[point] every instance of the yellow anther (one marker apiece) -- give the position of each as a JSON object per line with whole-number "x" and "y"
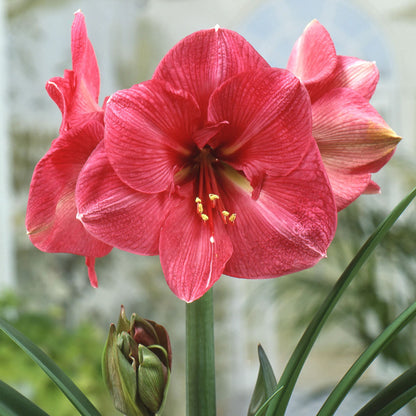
{"x": 213, "y": 197}
{"x": 232, "y": 217}
{"x": 225, "y": 213}
{"x": 204, "y": 217}
{"x": 198, "y": 200}
{"x": 199, "y": 208}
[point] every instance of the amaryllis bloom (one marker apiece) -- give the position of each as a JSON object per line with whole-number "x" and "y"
{"x": 213, "y": 166}
{"x": 352, "y": 137}
{"x": 51, "y": 212}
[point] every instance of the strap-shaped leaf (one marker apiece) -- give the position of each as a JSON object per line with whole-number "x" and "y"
{"x": 357, "y": 369}
{"x": 12, "y": 403}
{"x": 265, "y": 385}
{"x": 263, "y": 407}
{"x": 393, "y": 397}
{"x": 71, "y": 391}
{"x": 304, "y": 346}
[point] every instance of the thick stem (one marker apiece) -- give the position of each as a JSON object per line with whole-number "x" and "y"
{"x": 200, "y": 361}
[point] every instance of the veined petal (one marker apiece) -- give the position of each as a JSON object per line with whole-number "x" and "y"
{"x": 61, "y": 91}
{"x": 205, "y": 59}
{"x": 192, "y": 259}
{"x": 84, "y": 62}
{"x": 51, "y": 212}
{"x": 76, "y": 94}
{"x": 116, "y": 213}
{"x": 149, "y": 131}
{"x": 347, "y": 187}
{"x": 269, "y": 116}
{"x": 356, "y": 74}
{"x": 313, "y": 58}
{"x": 351, "y": 135}
{"x": 288, "y": 228}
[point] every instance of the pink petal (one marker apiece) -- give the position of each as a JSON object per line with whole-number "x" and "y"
{"x": 61, "y": 91}
{"x": 313, "y": 58}
{"x": 288, "y": 228}
{"x": 351, "y": 135}
{"x": 76, "y": 94}
{"x": 347, "y": 187}
{"x": 51, "y": 213}
{"x": 149, "y": 133}
{"x": 360, "y": 76}
{"x": 84, "y": 62}
{"x": 191, "y": 259}
{"x": 372, "y": 188}
{"x": 116, "y": 213}
{"x": 205, "y": 59}
{"x": 92, "y": 275}
{"x": 269, "y": 116}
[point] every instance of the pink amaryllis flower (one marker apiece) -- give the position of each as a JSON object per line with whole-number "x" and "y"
{"x": 211, "y": 165}
{"x": 51, "y": 212}
{"x": 352, "y": 137}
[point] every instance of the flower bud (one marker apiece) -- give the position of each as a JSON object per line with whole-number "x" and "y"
{"x": 136, "y": 365}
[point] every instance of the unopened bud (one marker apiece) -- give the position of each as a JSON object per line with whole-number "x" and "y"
{"x": 136, "y": 365}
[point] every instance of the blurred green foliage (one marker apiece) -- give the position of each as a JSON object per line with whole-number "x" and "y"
{"x": 76, "y": 350}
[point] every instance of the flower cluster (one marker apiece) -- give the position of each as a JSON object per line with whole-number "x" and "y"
{"x": 219, "y": 163}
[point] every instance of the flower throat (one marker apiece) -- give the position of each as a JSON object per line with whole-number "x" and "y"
{"x": 208, "y": 198}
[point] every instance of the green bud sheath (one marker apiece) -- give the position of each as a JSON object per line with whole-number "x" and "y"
{"x": 151, "y": 379}
{"x": 120, "y": 378}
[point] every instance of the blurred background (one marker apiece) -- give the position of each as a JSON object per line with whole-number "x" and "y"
{"x": 48, "y": 296}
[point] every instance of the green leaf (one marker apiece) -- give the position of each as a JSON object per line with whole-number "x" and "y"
{"x": 344, "y": 386}
{"x": 266, "y": 403}
{"x": 71, "y": 391}
{"x": 397, "y": 394}
{"x": 398, "y": 403}
{"x": 12, "y": 403}
{"x": 304, "y": 346}
{"x": 265, "y": 385}
{"x": 200, "y": 360}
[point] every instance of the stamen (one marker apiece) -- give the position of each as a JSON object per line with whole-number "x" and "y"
{"x": 207, "y": 188}
{"x": 214, "y": 198}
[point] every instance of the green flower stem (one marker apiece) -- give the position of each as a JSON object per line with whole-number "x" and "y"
{"x": 200, "y": 362}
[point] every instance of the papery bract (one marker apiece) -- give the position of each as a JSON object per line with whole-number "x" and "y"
{"x": 51, "y": 220}
{"x": 211, "y": 165}
{"x": 352, "y": 137}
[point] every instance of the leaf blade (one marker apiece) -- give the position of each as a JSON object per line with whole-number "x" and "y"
{"x": 304, "y": 346}
{"x": 64, "y": 383}
{"x": 361, "y": 364}
{"x": 398, "y": 393}
{"x": 265, "y": 385}
{"x": 13, "y": 403}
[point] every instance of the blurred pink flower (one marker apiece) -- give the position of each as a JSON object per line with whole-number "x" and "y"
{"x": 51, "y": 212}
{"x": 352, "y": 137}
{"x": 211, "y": 165}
